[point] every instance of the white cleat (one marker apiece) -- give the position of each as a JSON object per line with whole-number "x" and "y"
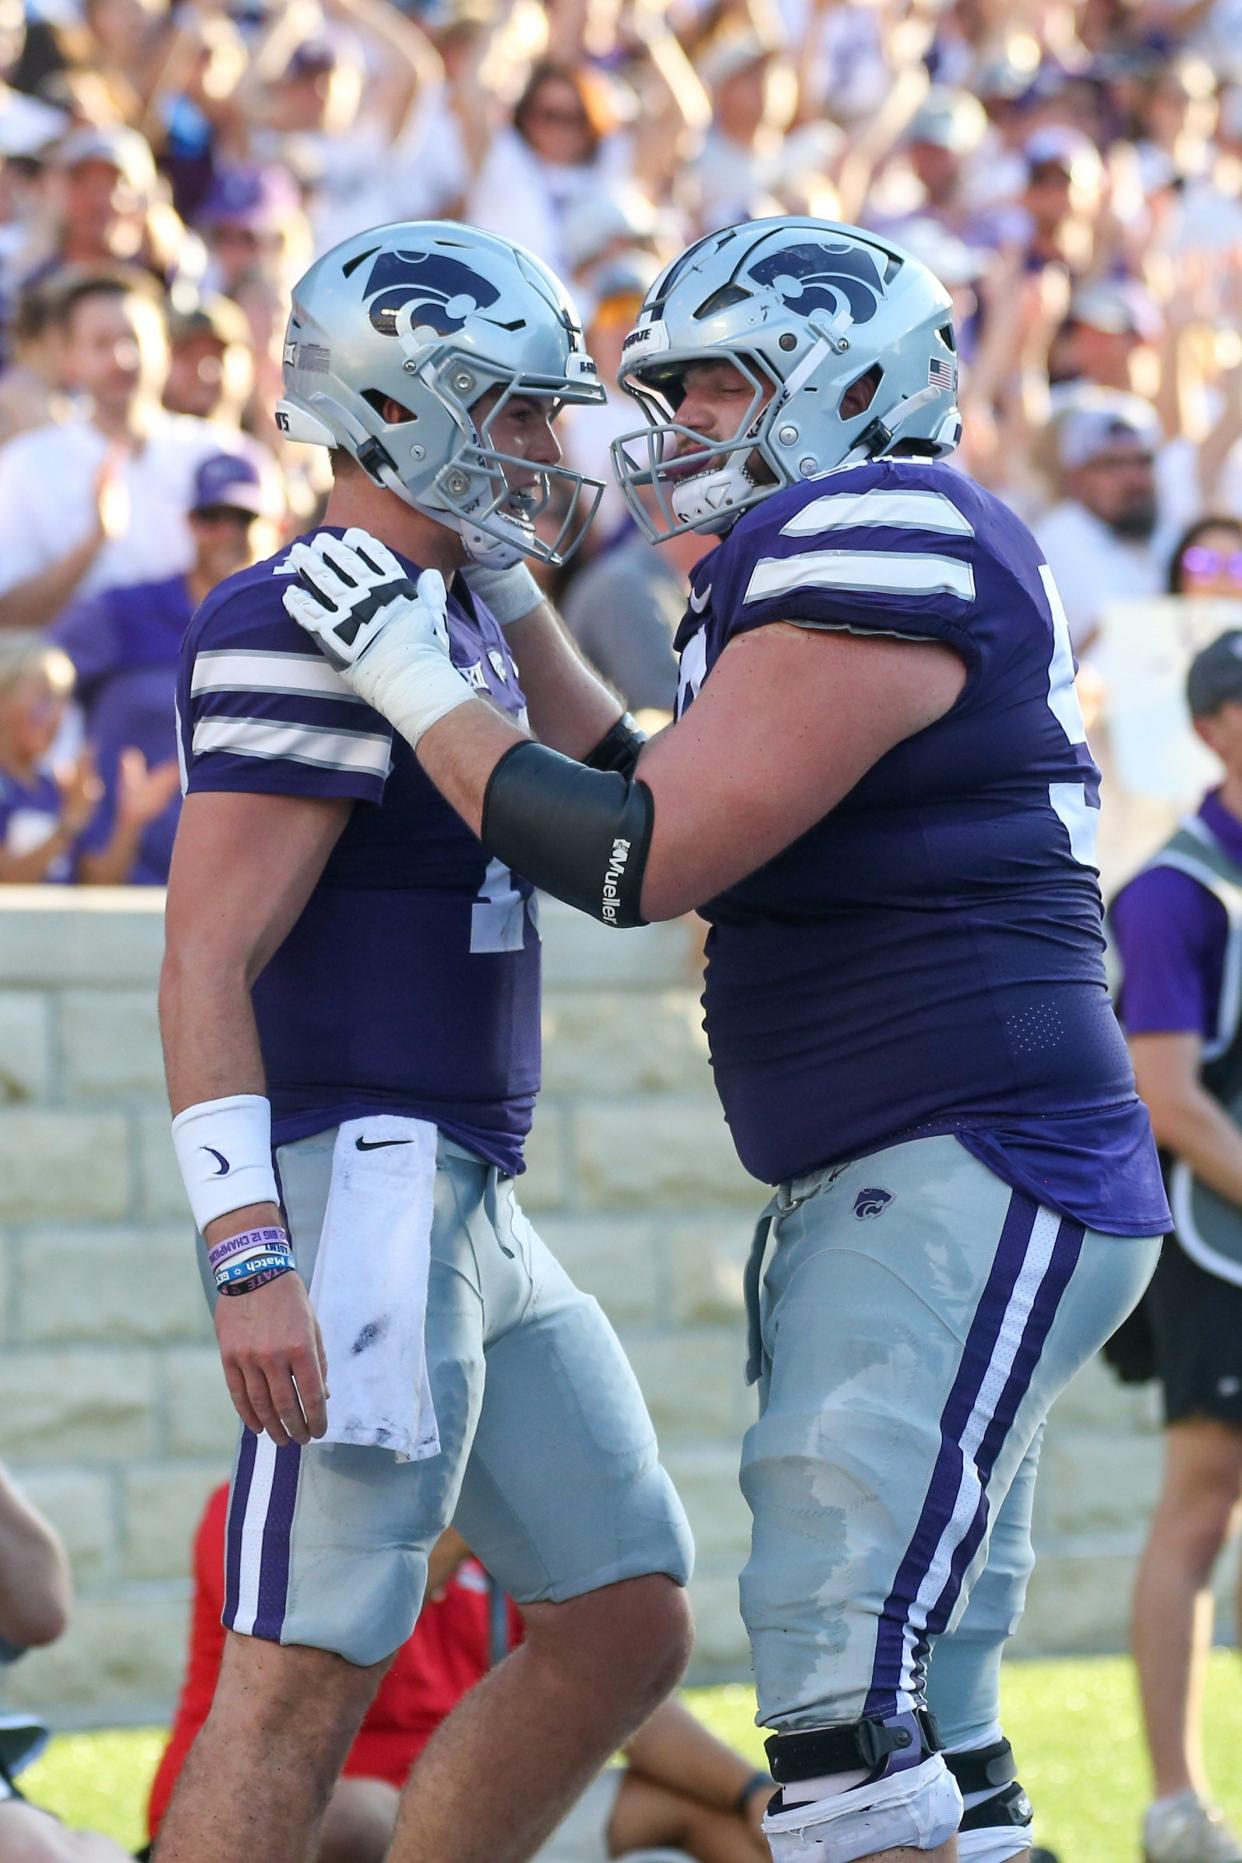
{"x": 1187, "y": 1831}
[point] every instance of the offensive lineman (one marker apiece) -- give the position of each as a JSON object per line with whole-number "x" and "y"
{"x": 351, "y": 981}
{"x": 879, "y": 794}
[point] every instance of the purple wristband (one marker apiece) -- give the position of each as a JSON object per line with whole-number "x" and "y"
{"x": 252, "y": 1241}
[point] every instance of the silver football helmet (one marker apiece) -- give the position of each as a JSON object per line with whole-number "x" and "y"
{"x": 805, "y": 310}
{"x": 433, "y": 316}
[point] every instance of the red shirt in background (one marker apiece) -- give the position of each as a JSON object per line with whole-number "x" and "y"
{"x": 448, "y": 1653}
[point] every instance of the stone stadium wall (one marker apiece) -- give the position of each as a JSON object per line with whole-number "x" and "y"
{"x": 113, "y": 1412}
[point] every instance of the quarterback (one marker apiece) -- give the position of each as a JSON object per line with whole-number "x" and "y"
{"x": 879, "y": 794}
{"x": 350, "y": 1008}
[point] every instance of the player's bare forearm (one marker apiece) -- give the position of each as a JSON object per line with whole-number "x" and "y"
{"x": 674, "y": 1748}
{"x": 570, "y": 707}
{"x": 1185, "y": 1118}
{"x": 211, "y": 1044}
{"x": 35, "y": 1586}
{"x": 40, "y": 598}
{"x": 460, "y": 752}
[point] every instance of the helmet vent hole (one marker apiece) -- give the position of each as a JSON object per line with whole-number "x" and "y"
{"x": 945, "y": 333}
{"x": 383, "y": 405}
{"x": 860, "y": 393}
{"x": 359, "y": 258}
{"x": 722, "y": 300}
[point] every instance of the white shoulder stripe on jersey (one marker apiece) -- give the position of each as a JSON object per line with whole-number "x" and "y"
{"x": 912, "y": 510}
{"x": 255, "y": 669}
{"x": 865, "y": 572}
{"x": 363, "y": 752}
{"x": 255, "y": 1519}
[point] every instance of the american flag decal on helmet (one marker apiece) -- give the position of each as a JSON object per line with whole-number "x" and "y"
{"x": 942, "y": 374}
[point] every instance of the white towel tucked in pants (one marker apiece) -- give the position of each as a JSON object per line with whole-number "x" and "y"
{"x": 369, "y": 1288}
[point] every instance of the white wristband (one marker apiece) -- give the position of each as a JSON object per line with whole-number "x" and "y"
{"x": 507, "y": 594}
{"x": 409, "y": 682}
{"x": 224, "y": 1149}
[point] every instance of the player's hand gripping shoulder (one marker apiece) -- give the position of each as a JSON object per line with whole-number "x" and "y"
{"x": 386, "y": 634}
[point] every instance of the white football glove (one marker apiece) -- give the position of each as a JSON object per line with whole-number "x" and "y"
{"x": 386, "y": 635}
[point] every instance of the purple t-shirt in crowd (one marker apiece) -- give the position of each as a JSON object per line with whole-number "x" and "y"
{"x": 410, "y": 983}
{"x": 125, "y": 644}
{"x": 1171, "y": 933}
{"x": 929, "y": 956}
{"x": 29, "y": 812}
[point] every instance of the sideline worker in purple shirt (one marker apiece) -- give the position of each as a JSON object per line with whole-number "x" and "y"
{"x": 1176, "y": 926}
{"x": 124, "y": 642}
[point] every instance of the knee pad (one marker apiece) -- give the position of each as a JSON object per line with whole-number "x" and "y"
{"x": 918, "y": 1808}
{"x": 992, "y": 1846}
{"x": 997, "y": 1822}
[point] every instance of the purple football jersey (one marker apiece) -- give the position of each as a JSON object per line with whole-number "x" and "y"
{"x": 929, "y": 957}
{"x": 410, "y": 984}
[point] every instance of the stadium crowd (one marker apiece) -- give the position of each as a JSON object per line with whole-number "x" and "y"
{"x": 1071, "y": 170}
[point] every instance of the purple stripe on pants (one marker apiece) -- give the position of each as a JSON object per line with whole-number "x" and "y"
{"x": 269, "y": 1617}
{"x": 942, "y": 1492}
{"x": 1044, "y": 1308}
{"x": 237, "y": 1517}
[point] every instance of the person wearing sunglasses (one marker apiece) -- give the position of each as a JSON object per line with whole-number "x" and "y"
{"x": 1207, "y": 559}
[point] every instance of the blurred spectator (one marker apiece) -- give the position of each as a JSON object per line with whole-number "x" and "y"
{"x": 563, "y": 147}
{"x": 754, "y": 99}
{"x": 946, "y": 132}
{"x": 51, "y": 825}
{"x": 336, "y": 103}
{"x": 1207, "y": 559}
{"x": 567, "y": 141}
{"x": 100, "y": 501}
{"x": 609, "y": 234}
{"x": 1109, "y": 337}
{"x": 124, "y": 645}
{"x": 211, "y": 370}
{"x": 1173, "y": 927}
{"x": 1098, "y": 539}
{"x": 35, "y": 1599}
{"x": 623, "y": 608}
{"x": 32, "y": 387}
{"x": 587, "y": 433}
{"x": 1061, "y": 200}
{"x": 252, "y": 220}
{"x": 680, "y": 1785}
{"x": 107, "y": 208}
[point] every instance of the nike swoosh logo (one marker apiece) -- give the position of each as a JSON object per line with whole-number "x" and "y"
{"x": 224, "y": 1163}
{"x": 361, "y": 1144}
{"x": 699, "y": 602}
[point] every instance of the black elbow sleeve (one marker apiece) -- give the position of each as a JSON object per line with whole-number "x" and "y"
{"x": 581, "y": 835}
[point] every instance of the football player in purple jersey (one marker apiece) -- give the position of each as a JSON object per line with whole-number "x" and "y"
{"x": 879, "y": 794}
{"x": 350, "y": 1009}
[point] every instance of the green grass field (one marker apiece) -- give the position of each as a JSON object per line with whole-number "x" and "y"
{"x": 1073, "y": 1724}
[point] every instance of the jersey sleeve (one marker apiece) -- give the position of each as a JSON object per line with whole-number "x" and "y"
{"x": 1170, "y": 934}
{"x": 261, "y": 710}
{"x": 881, "y": 557}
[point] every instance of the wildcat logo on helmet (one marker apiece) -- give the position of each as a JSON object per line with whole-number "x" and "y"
{"x": 831, "y": 277}
{"x": 442, "y": 292}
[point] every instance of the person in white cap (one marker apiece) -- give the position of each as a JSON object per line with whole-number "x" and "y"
{"x": 1098, "y": 539}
